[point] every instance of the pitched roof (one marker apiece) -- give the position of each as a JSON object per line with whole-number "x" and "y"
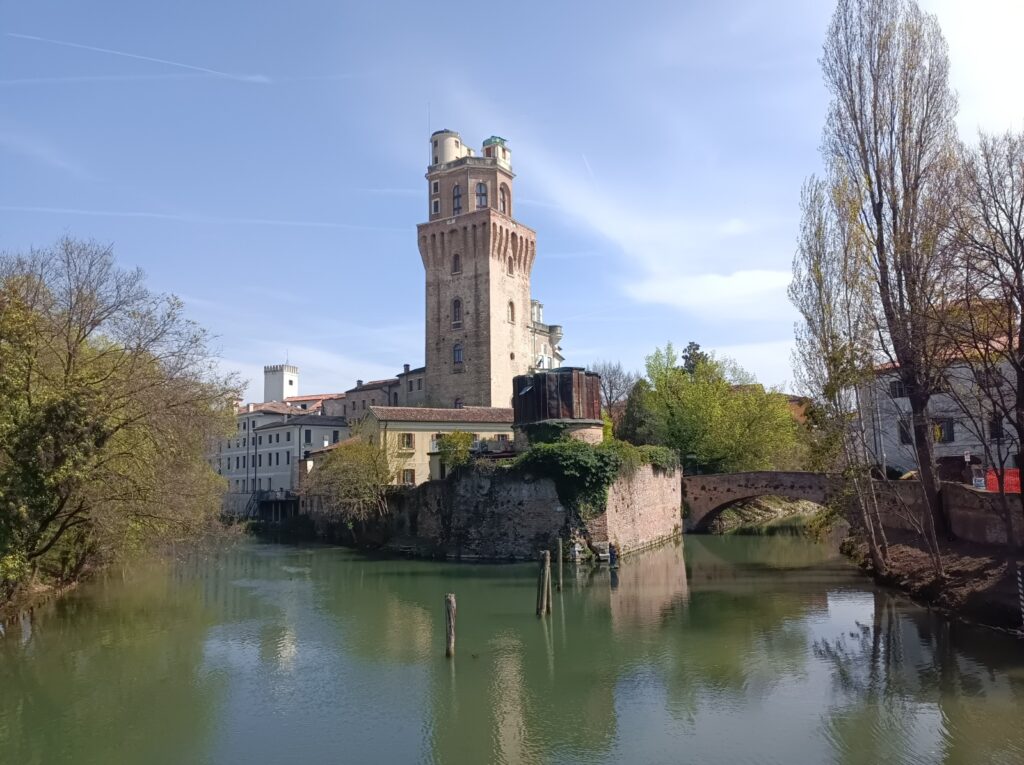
{"x": 316, "y": 397}
{"x": 265, "y": 407}
{"x": 479, "y": 414}
{"x": 374, "y": 384}
{"x": 308, "y": 419}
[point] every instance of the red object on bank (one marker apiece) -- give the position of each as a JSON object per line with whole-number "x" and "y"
{"x": 1011, "y": 480}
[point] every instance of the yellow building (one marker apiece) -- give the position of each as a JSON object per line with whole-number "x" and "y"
{"x": 411, "y": 433}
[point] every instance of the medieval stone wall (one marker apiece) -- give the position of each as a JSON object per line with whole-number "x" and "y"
{"x": 507, "y": 516}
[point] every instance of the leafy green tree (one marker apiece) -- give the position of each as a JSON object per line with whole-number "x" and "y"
{"x": 351, "y": 483}
{"x": 454, "y": 449}
{"x": 109, "y": 401}
{"x": 716, "y": 414}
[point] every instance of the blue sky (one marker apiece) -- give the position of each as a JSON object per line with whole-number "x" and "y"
{"x": 265, "y": 161}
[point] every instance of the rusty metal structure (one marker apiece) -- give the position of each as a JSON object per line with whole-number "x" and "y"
{"x": 566, "y": 393}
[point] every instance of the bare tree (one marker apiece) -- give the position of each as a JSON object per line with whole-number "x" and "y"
{"x": 616, "y": 383}
{"x": 982, "y": 318}
{"x": 890, "y": 131}
{"x": 832, "y": 359}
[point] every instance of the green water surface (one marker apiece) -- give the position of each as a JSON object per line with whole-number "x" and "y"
{"x": 719, "y": 650}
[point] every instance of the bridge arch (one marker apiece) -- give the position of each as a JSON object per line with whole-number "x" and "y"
{"x": 707, "y": 495}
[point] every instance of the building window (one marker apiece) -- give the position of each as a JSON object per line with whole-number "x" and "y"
{"x": 287, "y": 458}
{"x": 308, "y": 436}
{"x": 435, "y": 187}
{"x": 944, "y": 431}
{"x": 456, "y": 263}
{"x": 334, "y": 436}
{"x": 481, "y": 195}
{"x": 277, "y": 458}
{"x": 408, "y": 440}
{"x": 410, "y": 386}
{"x": 906, "y": 437}
{"x": 419, "y": 383}
{"x": 394, "y": 399}
{"x": 995, "y": 428}
{"x": 458, "y": 403}
{"x": 503, "y": 438}
{"x": 244, "y": 461}
{"x": 260, "y": 440}
{"x": 456, "y": 313}
{"x": 457, "y": 199}
{"x": 435, "y": 206}
{"x": 457, "y": 353}
{"x": 288, "y": 436}
{"x": 503, "y": 200}
{"x": 409, "y": 477}
{"x": 259, "y": 462}
{"x": 897, "y": 389}
{"x": 511, "y": 312}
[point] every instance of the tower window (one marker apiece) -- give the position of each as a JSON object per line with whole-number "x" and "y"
{"x": 435, "y": 206}
{"x": 481, "y": 195}
{"x": 503, "y": 200}
{"x": 435, "y": 187}
{"x": 456, "y": 263}
{"x": 457, "y": 353}
{"x": 456, "y": 313}
{"x": 456, "y": 199}
{"x": 511, "y": 311}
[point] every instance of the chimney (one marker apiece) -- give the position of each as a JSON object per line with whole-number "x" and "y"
{"x": 359, "y": 383}
{"x": 406, "y": 368}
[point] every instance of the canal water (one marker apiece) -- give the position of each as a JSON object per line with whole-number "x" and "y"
{"x": 716, "y": 650}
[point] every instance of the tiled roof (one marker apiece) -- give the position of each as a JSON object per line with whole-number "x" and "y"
{"x": 482, "y": 414}
{"x": 316, "y": 397}
{"x": 308, "y": 419}
{"x": 373, "y": 385}
{"x": 266, "y": 407}
{"x": 416, "y": 371}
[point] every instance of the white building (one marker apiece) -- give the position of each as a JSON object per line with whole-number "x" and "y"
{"x": 959, "y": 436}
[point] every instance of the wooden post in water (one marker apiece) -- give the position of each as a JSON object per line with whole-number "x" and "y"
{"x": 544, "y": 584}
{"x": 449, "y": 624}
{"x": 559, "y": 565}
{"x": 547, "y": 581}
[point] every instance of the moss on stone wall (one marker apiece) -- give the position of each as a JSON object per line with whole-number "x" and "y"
{"x": 583, "y": 472}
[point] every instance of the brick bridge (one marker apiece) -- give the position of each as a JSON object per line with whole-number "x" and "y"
{"x": 708, "y": 495}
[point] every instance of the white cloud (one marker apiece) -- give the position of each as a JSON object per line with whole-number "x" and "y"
{"x": 741, "y": 295}
{"x": 37, "y": 149}
{"x": 984, "y": 39}
{"x": 770, "y": 362}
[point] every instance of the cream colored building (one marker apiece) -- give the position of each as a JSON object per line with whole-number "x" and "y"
{"x": 482, "y": 328}
{"x": 411, "y": 434}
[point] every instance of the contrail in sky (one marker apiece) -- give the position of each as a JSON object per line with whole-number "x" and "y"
{"x": 191, "y": 218}
{"x": 240, "y": 77}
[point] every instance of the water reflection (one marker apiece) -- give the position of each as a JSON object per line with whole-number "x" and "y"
{"x": 719, "y": 650}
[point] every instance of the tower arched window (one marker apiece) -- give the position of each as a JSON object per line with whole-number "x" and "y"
{"x": 456, "y": 313}
{"x": 456, "y": 263}
{"x": 481, "y": 195}
{"x": 503, "y": 200}
{"x": 456, "y": 200}
{"x": 511, "y": 311}
{"x": 457, "y": 353}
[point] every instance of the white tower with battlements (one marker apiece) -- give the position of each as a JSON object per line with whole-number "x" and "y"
{"x": 280, "y": 381}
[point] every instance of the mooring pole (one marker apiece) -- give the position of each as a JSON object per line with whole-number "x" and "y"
{"x": 544, "y": 584}
{"x": 1020, "y": 592}
{"x": 449, "y": 624}
{"x": 559, "y": 565}
{"x": 547, "y": 581}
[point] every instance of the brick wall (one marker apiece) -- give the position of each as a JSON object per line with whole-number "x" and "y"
{"x": 511, "y": 517}
{"x": 643, "y": 510}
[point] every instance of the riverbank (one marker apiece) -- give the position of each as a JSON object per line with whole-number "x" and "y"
{"x": 978, "y": 587}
